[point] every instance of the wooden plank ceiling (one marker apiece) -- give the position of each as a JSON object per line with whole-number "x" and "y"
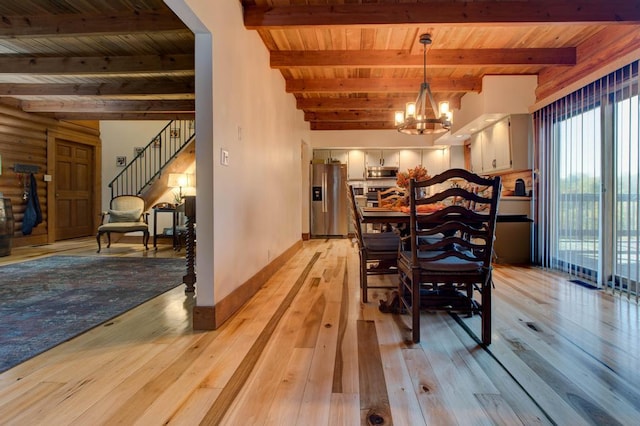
{"x": 96, "y": 59}
{"x": 351, "y": 63}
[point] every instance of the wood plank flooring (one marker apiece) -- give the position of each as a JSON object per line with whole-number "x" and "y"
{"x": 305, "y": 351}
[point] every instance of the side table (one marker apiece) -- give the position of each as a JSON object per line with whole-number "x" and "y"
{"x": 174, "y": 213}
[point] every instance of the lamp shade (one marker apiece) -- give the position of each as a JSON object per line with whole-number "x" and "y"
{"x": 177, "y": 180}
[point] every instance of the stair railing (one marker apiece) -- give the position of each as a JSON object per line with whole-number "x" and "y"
{"x": 149, "y": 162}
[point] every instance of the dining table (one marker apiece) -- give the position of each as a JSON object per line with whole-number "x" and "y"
{"x": 387, "y": 215}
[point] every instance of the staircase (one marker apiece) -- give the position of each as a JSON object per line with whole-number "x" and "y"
{"x": 149, "y": 165}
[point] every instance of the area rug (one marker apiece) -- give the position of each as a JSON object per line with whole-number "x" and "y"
{"x": 47, "y": 301}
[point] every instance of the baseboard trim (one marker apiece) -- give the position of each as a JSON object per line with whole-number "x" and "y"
{"x": 204, "y": 317}
{"x": 212, "y": 317}
{"x": 30, "y": 240}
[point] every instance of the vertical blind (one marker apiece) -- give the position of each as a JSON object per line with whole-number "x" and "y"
{"x": 589, "y": 182}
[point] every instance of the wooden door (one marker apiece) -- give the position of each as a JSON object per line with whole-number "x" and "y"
{"x": 73, "y": 183}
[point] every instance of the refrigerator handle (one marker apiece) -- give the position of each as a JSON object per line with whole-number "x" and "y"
{"x": 324, "y": 192}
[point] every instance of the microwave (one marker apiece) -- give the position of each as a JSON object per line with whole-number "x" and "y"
{"x": 382, "y": 172}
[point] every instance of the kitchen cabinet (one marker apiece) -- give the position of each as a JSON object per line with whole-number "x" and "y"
{"x": 383, "y": 158}
{"x": 356, "y": 165}
{"x": 410, "y": 158}
{"x": 513, "y": 239}
{"x": 476, "y": 152}
{"x": 521, "y": 135}
{"x": 340, "y": 156}
{"x": 321, "y": 155}
{"x": 331, "y": 155}
{"x": 496, "y": 147}
{"x": 436, "y": 160}
{"x": 502, "y": 146}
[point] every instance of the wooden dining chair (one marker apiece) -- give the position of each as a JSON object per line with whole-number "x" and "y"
{"x": 446, "y": 261}
{"x": 390, "y": 196}
{"x": 378, "y": 250}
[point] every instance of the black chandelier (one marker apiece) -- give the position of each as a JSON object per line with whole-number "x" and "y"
{"x": 424, "y": 116}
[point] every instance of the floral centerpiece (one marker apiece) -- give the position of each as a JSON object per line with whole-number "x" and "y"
{"x": 400, "y": 200}
{"x": 417, "y": 173}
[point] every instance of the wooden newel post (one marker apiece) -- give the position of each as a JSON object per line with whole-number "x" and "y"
{"x": 190, "y": 213}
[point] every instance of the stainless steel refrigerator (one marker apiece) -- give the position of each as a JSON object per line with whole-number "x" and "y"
{"x": 329, "y": 208}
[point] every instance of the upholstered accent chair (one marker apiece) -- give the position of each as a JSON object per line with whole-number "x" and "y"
{"x": 126, "y": 214}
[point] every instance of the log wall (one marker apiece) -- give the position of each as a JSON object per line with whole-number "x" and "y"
{"x": 27, "y": 139}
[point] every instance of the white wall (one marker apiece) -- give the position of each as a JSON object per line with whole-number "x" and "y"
{"x": 119, "y": 139}
{"x": 501, "y": 95}
{"x": 371, "y": 139}
{"x": 249, "y": 210}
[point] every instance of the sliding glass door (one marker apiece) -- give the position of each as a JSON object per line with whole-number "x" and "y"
{"x": 589, "y": 186}
{"x": 626, "y": 270}
{"x": 578, "y": 217}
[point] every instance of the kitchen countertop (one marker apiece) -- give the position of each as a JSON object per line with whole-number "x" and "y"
{"x": 514, "y": 198}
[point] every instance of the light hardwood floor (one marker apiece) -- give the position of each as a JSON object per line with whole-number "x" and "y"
{"x": 305, "y": 351}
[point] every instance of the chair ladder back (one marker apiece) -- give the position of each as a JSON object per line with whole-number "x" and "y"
{"x": 354, "y": 214}
{"x": 452, "y": 228}
{"x": 467, "y": 233}
{"x": 390, "y": 196}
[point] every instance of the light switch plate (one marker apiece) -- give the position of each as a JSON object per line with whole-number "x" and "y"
{"x": 224, "y": 157}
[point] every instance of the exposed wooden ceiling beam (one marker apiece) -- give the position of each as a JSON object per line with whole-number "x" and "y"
{"x": 382, "y": 85}
{"x": 140, "y": 21}
{"x": 360, "y": 115}
{"x": 352, "y": 125}
{"x": 89, "y": 115}
{"x": 389, "y": 104}
{"x": 109, "y": 106}
{"x": 443, "y": 13}
{"x": 98, "y": 65}
{"x": 145, "y": 87}
{"x": 436, "y": 58}
{"x": 332, "y": 104}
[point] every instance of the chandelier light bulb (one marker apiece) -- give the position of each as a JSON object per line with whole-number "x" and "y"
{"x": 444, "y": 108}
{"x": 410, "y": 110}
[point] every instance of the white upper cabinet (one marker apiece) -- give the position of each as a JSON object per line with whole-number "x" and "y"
{"x": 521, "y": 133}
{"x": 321, "y": 155}
{"x": 390, "y": 158}
{"x": 410, "y": 158}
{"x": 476, "y": 152}
{"x": 373, "y": 158}
{"x": 496, "y": 147}
{"x": 383, "y": 158}
{"x": 356, "y": 165}
{"x": 339, "y": 156}
{"x": 436, "y": 161}
{"x": 503, "y": 146}
{"x": 331, "y": 155}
